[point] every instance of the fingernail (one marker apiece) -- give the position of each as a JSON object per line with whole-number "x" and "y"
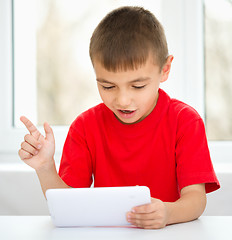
{"x": 133, "y": 210}
{"x": 36, "y": 152}
{"x": 39, "y": 146}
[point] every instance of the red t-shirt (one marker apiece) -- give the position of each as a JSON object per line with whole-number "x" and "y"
{"x": 166, "y": 151}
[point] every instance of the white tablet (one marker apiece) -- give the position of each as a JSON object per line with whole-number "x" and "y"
{"x": 107, "y": 206}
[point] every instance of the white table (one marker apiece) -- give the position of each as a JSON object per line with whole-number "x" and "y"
{"x": 42, "y": 228}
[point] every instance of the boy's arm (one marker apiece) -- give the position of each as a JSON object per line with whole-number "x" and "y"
{"x": 38, "y": 151}
{"x": 49, "y": 179}
{"x": 158, "y": 214}
{"x": 190, "y": 206}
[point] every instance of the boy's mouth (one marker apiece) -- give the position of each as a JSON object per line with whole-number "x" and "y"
{"x": 126, "y": 113}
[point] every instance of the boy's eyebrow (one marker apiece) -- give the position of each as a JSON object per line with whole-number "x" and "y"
{"x": 142, "y": 79}
{"x": 132, "y": 81}
{"x": 103, "y": 80}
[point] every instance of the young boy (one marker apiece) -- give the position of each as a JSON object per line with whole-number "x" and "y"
{"x": 138, "y": 135}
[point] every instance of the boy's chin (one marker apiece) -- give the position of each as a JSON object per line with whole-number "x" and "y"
{"x": 127, "y": 121}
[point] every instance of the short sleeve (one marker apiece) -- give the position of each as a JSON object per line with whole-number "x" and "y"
{"x": 193, "y": 162}
{"x": 75, "y": 167}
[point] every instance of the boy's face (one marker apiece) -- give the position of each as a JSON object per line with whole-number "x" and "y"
{"x": 132, "y": 94}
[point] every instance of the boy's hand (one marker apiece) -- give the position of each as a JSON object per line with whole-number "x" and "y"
{"x": 158, "y": 214}
{"x": 149, "y": 216}
{"x": 37, "y": 151}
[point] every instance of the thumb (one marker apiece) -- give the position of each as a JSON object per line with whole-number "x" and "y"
{"x": 48, "y": 132}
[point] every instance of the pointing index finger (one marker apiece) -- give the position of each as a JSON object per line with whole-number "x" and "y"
{"x": 30, "y": 127}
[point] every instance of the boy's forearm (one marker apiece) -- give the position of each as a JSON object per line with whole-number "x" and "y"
{"x": 49, "y": 178}
{"x": 189, "y": 207}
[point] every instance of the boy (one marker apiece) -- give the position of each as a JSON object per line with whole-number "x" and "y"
{"x": 138, "y": 135}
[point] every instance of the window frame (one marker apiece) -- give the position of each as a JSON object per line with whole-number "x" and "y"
{"x": 183, "y": 25}
{"x": 11, "y": 137}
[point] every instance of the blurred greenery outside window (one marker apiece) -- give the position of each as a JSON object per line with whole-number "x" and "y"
{"x": 218, "y": 69}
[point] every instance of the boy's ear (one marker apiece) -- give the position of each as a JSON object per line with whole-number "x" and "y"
{"x": 166, "y": 68}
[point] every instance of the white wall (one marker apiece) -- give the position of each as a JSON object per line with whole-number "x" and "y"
{"x": 220, "y": 201}
{"x": 20, "y": 193}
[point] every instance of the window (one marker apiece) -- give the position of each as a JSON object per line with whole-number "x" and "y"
{"x": 218, "y": 68}
{"x": 46, "y": 73}
{"x": 56, "y": 81}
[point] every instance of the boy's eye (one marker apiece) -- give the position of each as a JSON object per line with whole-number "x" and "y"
{"x": 139, "y": 87}
{"x": 107, "y": 88}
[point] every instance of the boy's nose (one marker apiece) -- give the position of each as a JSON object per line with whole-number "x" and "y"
{"x": 123, "y": 101}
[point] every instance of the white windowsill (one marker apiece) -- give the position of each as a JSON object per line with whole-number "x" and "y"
{"x": 17, "y": 167}
{"x": 225, "y": 168}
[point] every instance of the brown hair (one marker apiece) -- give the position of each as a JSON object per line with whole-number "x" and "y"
{"x": 125, "y": 37}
